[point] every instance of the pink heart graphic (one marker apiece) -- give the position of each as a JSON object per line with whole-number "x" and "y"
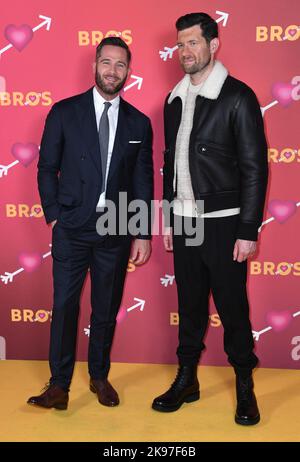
{"x": 18, "y": 36}
{"x": 292, "y": 32}
{"x": 287, "y": 155}
{"x": 282, "y": 210}
{"x": 37, "y": 210}
{"x": 121, "y": 315}
{"x": 25, "y": 153}
{"x": 41, "y": 315}
{"x": 283, "y": 93}
{"x": 32, "y": 97}
{"x": 30, "y": 261}
{"x": 2, "y": 84}
{"x": 283, "y": 268}
{"x": 279, "y": 320}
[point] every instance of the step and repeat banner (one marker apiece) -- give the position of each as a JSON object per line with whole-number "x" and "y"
{"x": 46, "y": 53}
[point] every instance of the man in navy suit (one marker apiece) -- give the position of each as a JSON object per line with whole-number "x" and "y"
{"x": 95, "y": 146}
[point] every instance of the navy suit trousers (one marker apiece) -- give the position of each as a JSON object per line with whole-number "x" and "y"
{"x": 74, "y": 252}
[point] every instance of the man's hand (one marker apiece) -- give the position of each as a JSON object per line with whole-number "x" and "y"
{"x": 168, "y": 239}
{"x": 53, "y": 223}
{"x": 243, "y": 249}
{"x": 140, "y": 251}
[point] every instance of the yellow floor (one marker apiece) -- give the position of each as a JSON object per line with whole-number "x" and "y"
{"x": 210, "y": 419}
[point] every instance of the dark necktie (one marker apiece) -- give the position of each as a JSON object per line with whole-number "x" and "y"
{"x": 104, "y": 140}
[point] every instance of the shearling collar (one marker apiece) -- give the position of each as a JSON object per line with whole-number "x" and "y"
{"x": 211, "y": 87}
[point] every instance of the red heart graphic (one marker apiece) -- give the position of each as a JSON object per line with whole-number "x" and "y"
{"x": 282, "y": 210}
{"x": 25, "y": 153}
{"x": 282, "y": 92}
{"x": 18, "y": 36}
{"x": 279, "y": 320}
{"x": 30, "y": 261}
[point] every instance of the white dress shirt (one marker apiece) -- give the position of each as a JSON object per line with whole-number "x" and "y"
{"x": 112, "y": 113}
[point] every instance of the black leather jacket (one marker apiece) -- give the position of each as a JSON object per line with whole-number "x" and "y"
{"x": 227, "y": 153}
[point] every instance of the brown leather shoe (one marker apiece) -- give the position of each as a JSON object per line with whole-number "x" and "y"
{"x": 53, "y": 396}
{"x": 107, "y": 395}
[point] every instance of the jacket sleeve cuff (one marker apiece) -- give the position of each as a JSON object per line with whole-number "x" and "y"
{"x": 51, "y": 213}
{"x": 247, "y": 231}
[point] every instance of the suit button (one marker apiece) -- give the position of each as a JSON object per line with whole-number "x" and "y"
{"x": 82, "y": 157}
{"x": 203, "y": 149}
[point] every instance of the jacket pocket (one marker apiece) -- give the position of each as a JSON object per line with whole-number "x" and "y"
{"x": 67, "y": 199}
{"x": 215, "y": 169}
{"x": 215, "y": 150}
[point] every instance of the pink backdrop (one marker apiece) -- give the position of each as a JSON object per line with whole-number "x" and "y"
{"x": 44, "y": 60}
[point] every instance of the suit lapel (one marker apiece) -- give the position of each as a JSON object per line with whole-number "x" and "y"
{"x": 88, "y": 124}
{"x": 121, "y": 138}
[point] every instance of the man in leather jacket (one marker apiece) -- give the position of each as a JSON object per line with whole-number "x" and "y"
{"x": 216, "y": 152}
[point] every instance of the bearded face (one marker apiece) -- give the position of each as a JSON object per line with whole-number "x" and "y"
{"x": 111, "y": 70}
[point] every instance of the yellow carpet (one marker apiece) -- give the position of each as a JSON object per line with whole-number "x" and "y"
{"x": 210, "y": 419}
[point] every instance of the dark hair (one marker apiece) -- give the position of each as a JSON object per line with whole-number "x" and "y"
{"x": 116, "y": 42}
{"x": 208, "y": 25}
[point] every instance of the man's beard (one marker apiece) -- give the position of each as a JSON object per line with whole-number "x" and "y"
{"x": 109, "y": 89}
{"x": 196, "y": 67}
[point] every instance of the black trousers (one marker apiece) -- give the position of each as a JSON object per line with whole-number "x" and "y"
{"x": 210, "y": 267}
{"x": 74, "y": 251}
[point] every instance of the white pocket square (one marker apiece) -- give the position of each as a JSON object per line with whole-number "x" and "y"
{"x": 134, "y": 141}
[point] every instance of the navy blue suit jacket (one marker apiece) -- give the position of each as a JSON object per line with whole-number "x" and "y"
{"x": 69, "y": 167}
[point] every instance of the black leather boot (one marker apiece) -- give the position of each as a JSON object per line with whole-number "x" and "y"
{"x": 247, "y": 412}
{"x": 184, "y": 389}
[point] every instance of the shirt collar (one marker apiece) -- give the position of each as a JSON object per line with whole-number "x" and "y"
{"x": 99, "y": 100}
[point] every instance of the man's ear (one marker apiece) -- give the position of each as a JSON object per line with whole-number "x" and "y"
{"x": 128, "y": 74}
{"x": 214, "y": 45}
